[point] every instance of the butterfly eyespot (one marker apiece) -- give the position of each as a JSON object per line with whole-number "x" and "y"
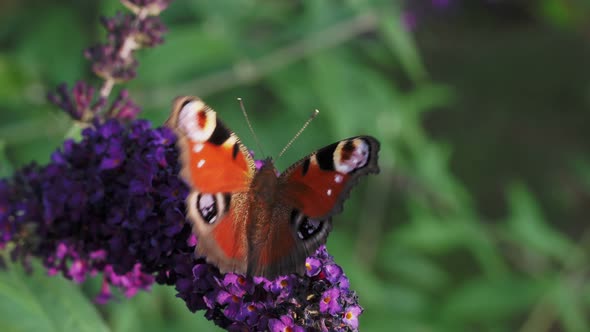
{"x": 351, "y": 155}
{"x": 306, "y": 228}
{"x": 197, "y": 121}
{"x": 207, "y": 207}
{"x": 309, "y": 228}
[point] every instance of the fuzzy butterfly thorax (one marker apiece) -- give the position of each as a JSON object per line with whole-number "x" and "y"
{"x": 257, "y": 222}
{"x": 264, "y": 183}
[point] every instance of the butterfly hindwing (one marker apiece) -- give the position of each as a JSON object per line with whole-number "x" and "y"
{"x": 284, "y": 248}
{"x": 218, "y": 169}
{"x": 220, "y": 229}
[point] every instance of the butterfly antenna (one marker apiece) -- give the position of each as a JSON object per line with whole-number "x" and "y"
{"x": 311, "y": 117}
{"x": 250, "y": 126}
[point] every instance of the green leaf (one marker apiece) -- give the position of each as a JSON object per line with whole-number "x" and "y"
{"x": 582, "y": 170}
{"x": 342, "y": 97}
{"x": 41, "y": 303}
{"x": 482, "y": 300}
{"x": 5, "y": 166}
{"x": 567, "y": 300}
{"x": 44, "y": 50}
{"x": 557, "y": 12}
{"x": 415, "y": 269}
{"x": 401, "y": 42}
{"x": 527, "y": 226}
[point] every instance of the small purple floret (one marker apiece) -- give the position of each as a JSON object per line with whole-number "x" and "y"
{"x": 351, "y": 315}
{"x": 330, "y": 301}
{"x": 284, "y": 324}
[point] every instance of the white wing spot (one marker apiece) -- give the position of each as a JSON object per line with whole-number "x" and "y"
{"x": 201, "y": 163}
{"x": 198, "y": 147}
{"x": 329, "y": 192}
{"x": 338, "y": 178}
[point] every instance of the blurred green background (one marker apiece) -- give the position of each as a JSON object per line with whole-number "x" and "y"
{"x": 478, "y": 220}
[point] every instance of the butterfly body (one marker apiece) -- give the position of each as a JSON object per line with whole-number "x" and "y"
{"x": 257, "y": 221}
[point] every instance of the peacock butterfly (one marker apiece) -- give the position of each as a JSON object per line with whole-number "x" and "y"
{"x": 253, "y": 221}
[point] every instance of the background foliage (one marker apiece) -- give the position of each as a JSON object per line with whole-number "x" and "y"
{"x": 478, "y": 221}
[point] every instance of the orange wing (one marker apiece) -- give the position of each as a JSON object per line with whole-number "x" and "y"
{"x": 213, "y": 159}
{"x": 318, "y": 184}
{"x": 218, "y": 170}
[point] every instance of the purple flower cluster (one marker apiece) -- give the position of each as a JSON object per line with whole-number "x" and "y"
{"x": 114, "y": 61}
{"x": 126, "y": 33}
{"x": 319, "y": 301}
{"x": 82, "y": 103}
{"x": 113, "y": 204}
{"x": 108, "y": 202}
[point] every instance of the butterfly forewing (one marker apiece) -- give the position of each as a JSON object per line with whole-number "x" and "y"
{"x": 206, "y": 144}
{"x": 318, "y": 184}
